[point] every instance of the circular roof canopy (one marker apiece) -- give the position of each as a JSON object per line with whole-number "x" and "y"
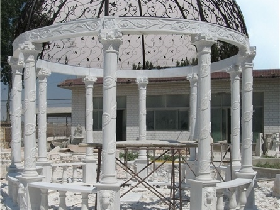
{"x": 140, "y": 50}
{"x": 225, "y": 13}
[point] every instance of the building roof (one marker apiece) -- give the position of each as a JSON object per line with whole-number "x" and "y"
{"x": 271, "y": 73}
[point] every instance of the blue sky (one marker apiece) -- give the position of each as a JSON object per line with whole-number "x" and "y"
{"x": 262, "y": 21}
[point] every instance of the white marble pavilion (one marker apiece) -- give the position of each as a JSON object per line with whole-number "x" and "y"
{"x": 222, "y": 21}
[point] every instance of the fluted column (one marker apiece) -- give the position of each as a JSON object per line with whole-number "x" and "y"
{"x": 203, "y": 45}
{"x": 17, "y": 67}
{"x": 111, "y": 40}
{"x": 247, "y": 113}
{"x": 142, "y": 87}
{"x": 235, "y": 116}
{"x": 42, "y": 74}
{"x": 89, "y": 170}
{"x": 192, "y": 116}
{"x": 29, "y": 53}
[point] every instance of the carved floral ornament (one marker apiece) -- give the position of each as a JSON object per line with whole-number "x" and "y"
{"x": 16, "y": 64}
{"x": 89, "y": 80}
{"x": 111, "y": 28}
{"x": 142, "y": 82}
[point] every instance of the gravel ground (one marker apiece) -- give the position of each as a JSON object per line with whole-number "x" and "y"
{"x": 263, "y": 196}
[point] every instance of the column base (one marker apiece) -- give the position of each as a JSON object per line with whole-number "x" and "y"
{"x": 233, "y": 170}
{"x": 108, "y": 196}
{"x": 15, "y": 168}
{"x": 89, "y": 171}
{"x": 190, "y": 171}
{"x": 140, "y": 164}
{"x": 203, "y": 195}
{"x": 29, "y": 197}
{"x": 46, "y": 170}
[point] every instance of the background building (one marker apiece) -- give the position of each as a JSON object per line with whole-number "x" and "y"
{"x": 168, "y": 106}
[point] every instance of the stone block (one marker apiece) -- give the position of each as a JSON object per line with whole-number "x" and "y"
{"x": 276, "y": 187}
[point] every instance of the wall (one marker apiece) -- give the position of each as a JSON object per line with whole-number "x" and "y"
{"x": 270, "y": 87}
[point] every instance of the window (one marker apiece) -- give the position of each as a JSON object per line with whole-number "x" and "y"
{"x": 167, "y": 112}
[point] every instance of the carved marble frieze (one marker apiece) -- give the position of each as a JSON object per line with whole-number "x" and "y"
{"x": 134, "y": 25}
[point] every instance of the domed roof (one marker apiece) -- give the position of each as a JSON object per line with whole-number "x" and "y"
{"x": 146, "y": 51}
{"x": 225, "y": 13}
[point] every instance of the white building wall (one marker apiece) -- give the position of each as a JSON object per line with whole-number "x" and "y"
{"x": 270, "y": 87}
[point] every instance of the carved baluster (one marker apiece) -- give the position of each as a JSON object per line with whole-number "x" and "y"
{"x": 64, "y": 174}
{"x": 220, "y": 201}
{"x": 62, "y": 204}
{"x": 242, "y": 198}
{"x": 75, "y": 173}
{"x": 44, "y": 199}
{"x": 232, "y": 199}
{"x": 53, "y": 173}
{"x": 84, "y": 201}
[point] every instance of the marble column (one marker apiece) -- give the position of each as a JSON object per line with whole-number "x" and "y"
{"x": 42, "y": 161}
{"x": 42, "y": 114}
{"x": 235, "y": 118}
{"x": 89, "y": 170}
{"x": 246, "y": 170}
{"x": 192, "y": 111}
{"x": 142, "y": 87}
{"x": 17, "y": 67}
{"x": 247, "y": 113}
{"x": 203, "y": 184}
{"x": 108, "y": 195}
{"x": 191, "y": 165}
{"x": 141, "y": 161}
{"x": 29, "y": 53}
{"x": 203, "y": 45}
{"x": 30, "y": 174}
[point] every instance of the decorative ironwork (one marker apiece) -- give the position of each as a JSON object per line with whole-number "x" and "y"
{"x": 139, "y": 50}
{"x": 225, "y": 13}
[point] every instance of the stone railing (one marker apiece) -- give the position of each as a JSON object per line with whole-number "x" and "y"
{"x": 62, "y": 189}
{"x": 66, "y": 175}
{"x": 5, "y": 161}
{"x": 232, "y": 188}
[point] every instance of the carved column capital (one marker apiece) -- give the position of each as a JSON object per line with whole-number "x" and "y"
{"x": 16, "y": 65}
{"x": 235, "y": 72}
{"x": 203, "y": 42}
{"x": 193, "y": 78}
{"x": 43, "y": 73}
{"x": 89, "y": 80}
{"x": 142, "y": 82}
{"x": 29, "y": 51}
{"x": 111, "y": 39}
{"x": 248, "y": 57}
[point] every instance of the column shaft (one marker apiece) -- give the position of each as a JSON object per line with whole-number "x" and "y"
{"x": 193, "y": 107}
{"x": 16, "y": 114}
{"x": 235, "y": 116}
{"x": 30, "y": 114}
{"x": 42, "y": 115}
{"x": 89, "y": 82}
{"x": 111, "y": 42}
{"x": 142, "y": 87}
{"x": 204, "y": 82}
{"x": 247, "y": 117}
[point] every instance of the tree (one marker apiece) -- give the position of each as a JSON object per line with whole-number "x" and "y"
{"x": 18, "y": 16}
{"x": 10, "y": 13}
